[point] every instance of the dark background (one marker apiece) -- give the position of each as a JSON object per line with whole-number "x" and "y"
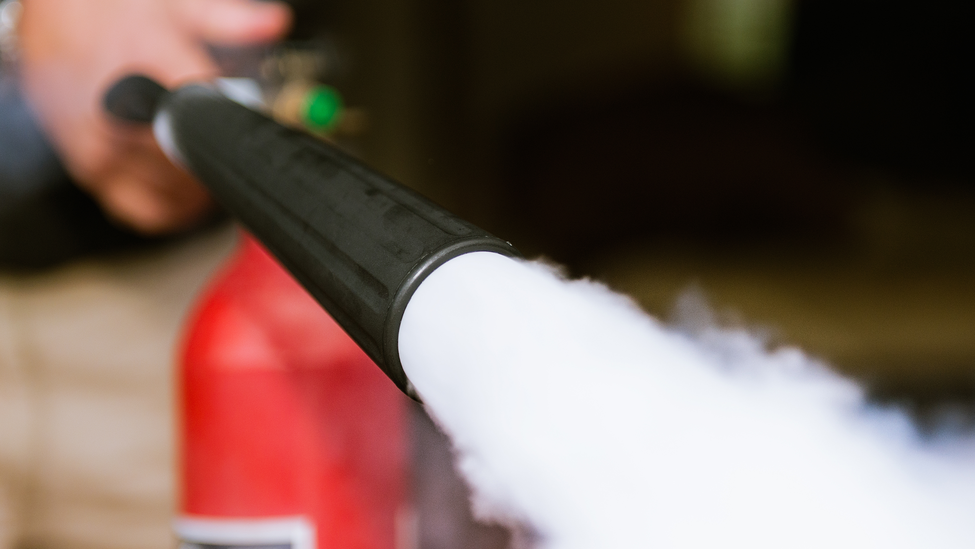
{"x": 805, "y": 164}
{"x": 802, "y": 167}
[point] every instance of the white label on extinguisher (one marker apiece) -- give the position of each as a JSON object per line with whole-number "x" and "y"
{"x": 221, "y": 533}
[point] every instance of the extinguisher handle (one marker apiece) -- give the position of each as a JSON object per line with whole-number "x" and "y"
{"x": 358, "y": 241}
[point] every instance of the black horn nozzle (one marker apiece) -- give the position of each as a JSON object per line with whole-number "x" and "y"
{"x": 359, "y": 242}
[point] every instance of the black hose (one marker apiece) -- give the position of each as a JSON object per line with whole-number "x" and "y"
{"x": 359, "y": 242}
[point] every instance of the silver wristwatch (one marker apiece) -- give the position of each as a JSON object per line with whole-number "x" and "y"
{"x": 9, "y": 18}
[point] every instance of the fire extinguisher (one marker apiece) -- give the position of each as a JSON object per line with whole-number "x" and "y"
{"x": 290, "y": 432}
{"x": 291, "y": 437}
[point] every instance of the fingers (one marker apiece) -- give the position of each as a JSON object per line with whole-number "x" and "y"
{"x": 135, "y": 184}
{"x": 73, "y": 50}
{"x": 234, "y": 22}
{"x": 153, "y": 197}
{"x": 137, "y": 206}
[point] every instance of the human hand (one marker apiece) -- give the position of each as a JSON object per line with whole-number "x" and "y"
{"x": 71, "y": 51}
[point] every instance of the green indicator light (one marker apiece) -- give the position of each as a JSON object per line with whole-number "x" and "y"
{"x": 323, "y": 105}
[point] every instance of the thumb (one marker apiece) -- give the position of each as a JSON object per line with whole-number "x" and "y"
{"x": 234, "y": 22}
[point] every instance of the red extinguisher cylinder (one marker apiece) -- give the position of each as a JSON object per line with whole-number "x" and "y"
{"x": 291, "y": 437}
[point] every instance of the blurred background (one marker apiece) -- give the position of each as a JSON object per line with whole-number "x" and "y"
{"x": 805, "y": 164}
